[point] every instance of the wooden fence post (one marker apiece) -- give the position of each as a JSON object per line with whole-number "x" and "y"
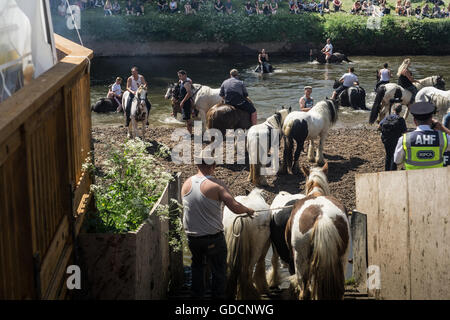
{"x": 359, "y": 235}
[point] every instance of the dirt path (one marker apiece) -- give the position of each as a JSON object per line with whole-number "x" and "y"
{"x": 348, "y": 151}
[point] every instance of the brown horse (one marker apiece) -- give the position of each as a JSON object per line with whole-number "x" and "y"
{"x": 223, "y": 117}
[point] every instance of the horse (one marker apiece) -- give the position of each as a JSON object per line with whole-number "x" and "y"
{"x": 317, "y": 235}
{"x": 204, "y": 98}
{"x": 248, "y": 240}
{"x": 336, "y": 57}
{"x": 390, "y": 92}
{"x": 301, "y": 126}
{"x": 440, "y": 98}
{"x": 172, "y": 93}
{"x": 105, "y": 105}
{"x": 354, "y": 97}
{"x": 281, "y": 208}
{"x": 255, "y": 147}
{"x": 138, "y": 111}
{"x": 264, "y": 68}
{"x": 223, "y": 116}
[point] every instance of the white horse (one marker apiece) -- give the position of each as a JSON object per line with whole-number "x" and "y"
{"x": 440, "y": 98}
{"x": 391, "y": 92}
{"x": 204, "y": 98}
{"x": 256, "y": 147}
{"x": 318, "y": 235}
{"x": 248, "y": 240}
{"x": 138, "y": 111}
{"x": 281, "y": 208}
{"x": 301, "y": 126}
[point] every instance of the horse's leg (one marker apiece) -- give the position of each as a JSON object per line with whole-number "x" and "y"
{"x": 259, "y": 277}
{"x": 405, "y": 116}
{"x": 203, "y": 118}
{"x": 311, "y": 151}
{"x": 274, "y": 273}
{"x": 283, "y": 169}
{"x": 289, "y": 154}
{"x": 298, "y": 150}
{"x": 319, "y": 156}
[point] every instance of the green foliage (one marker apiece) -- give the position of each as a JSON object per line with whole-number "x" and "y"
{"x": 176, "y": 234}
{"x": 349, "y": 33}
{"x": 127, "y": 192}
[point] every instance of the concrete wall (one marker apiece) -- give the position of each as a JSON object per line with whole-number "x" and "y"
{"x": 408, "y": 234}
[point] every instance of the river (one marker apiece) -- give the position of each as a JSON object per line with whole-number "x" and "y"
{"x": 268, "y": 92}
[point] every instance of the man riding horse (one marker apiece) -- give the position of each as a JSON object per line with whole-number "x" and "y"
{"x": 133, "y": 84}
{"x": 235, "y": 94}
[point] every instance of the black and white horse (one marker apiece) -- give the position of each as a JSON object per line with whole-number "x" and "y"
{"x": 138, "y": 111}
{"x": 391, "y": 92}
{"x": 106, "y": 105}
{"x": 301, "y": 126}
{"x": 336, "y": 57}
{"x": 354, "y": 97}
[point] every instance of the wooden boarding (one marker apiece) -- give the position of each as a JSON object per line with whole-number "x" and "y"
{"x": 408, "y": 232}
{"x": 45, "y": 137}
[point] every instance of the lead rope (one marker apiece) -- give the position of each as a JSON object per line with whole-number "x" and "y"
{"x": 242, "y": 216}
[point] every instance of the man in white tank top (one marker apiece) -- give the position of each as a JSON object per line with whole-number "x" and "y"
{"x": 384, "y": 76}
{"x": 133, "y": 84}
{"x": 202, "y": 221}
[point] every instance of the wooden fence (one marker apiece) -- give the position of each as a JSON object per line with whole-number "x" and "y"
{"x": 45, "y": 137}
{"x": 408, "y": 232}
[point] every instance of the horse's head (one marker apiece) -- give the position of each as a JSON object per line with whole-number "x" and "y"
{"x": 316, "y": 180}
{"x": 440, "y": 83}
{"x": 141, "y": 96}
{"x": 336, "y": 84}
{"x": 168, "y": 94}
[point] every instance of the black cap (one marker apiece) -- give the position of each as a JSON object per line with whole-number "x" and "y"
{"x": 422, "y": 108}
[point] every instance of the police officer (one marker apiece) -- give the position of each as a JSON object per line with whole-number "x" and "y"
{"x": 424, "y": 147}
{"x": 234, "y": 93}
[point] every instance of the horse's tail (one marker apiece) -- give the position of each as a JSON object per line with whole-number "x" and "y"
{"x": 210, "y": 118}
{"x": 326, "y": 269}
{"x": 381, "y": 91}
{"x": 286, "y": 130}
{"x": 240, "y": 282}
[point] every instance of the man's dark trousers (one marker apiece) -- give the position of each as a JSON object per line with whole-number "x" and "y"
{"x": 212, "y": 249}
{"x": 389, "y": 146}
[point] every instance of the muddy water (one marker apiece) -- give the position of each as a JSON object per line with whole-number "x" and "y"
{"x": 284, "y": 87}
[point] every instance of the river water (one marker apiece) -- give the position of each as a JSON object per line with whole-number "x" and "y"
{"x": 268, "y": 92}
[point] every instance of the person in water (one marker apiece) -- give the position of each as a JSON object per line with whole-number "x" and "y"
{"x": 384, "y": 76}
{"x": 328, "y": 50}
{"x": 306, "y": 102}
{"x": 263, "y": 59}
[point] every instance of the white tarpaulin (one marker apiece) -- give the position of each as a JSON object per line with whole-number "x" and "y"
{"x": 26, "y": 43}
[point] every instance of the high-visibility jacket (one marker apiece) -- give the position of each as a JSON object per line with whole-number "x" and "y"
{"x": 424, "y": 149}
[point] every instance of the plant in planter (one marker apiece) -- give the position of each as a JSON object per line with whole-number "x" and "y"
{"x": 125, "y": 248}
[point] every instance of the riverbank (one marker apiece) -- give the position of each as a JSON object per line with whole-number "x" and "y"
{"x": 210, "y": 34}
{"x": 348, "y": 151}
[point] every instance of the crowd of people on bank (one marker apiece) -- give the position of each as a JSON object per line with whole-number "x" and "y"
{"x": 431, "y": 9}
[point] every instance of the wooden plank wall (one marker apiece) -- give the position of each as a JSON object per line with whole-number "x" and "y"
{"x": 45, "y": 136}
{"x": 408, "y": 231}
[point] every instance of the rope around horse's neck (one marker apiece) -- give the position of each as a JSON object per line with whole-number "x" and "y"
{"x": 243, "y": 216}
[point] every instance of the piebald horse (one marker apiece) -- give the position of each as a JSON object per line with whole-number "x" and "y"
{"x": 281, "y": 208}
{"x": 248, "y": 240}
{"x": 390, "y": 92}
{"x": 138, "y": 111}
{"x": 301, "y": 126}
{"x": 317, "y": 234}
{"x": 259, "y": 141}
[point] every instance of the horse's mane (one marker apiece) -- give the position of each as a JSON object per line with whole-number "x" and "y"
{"x": 317, "y": 178}
{"x": 275, "y": 120}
